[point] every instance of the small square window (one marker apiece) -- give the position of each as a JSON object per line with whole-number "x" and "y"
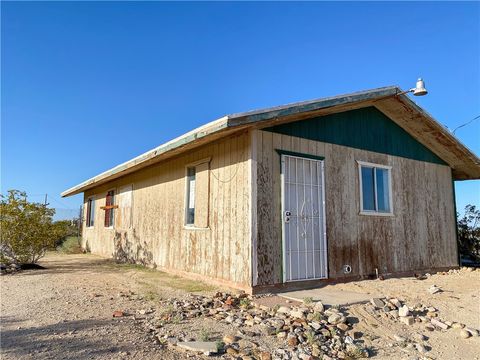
{"x": 375, "y": 189}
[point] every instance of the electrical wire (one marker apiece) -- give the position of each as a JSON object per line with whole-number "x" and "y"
{"x": 467, "y": 123}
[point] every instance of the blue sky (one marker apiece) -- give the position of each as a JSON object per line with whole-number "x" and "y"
{"x": 86, "y": 86}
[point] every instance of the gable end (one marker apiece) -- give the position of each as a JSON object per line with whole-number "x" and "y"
{"x": 367, "y": 129}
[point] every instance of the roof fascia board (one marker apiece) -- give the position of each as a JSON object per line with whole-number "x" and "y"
{"x": 257, "y": 116}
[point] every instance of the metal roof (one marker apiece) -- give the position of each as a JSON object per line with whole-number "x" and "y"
{"x": 390, "y": 100}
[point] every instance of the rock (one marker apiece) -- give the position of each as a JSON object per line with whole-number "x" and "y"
{"x": 403, "y": 311}
{"x": 457, "y": 325}
{"x": 420, "y": 337}
{"x": 434, "y": 289}
{"x": 335, "y": 319}
{"x": 297, "y": 314}
{"x": 399, "y": 338}
{"x": 249, "y": 322}
{"x": 230, "y": 339}
{"x": 265, "y": 355}
{"x": 305, "y": 357}
{"x": 206, "y": 347}
{"x": 277, "y": 323}
{"x": 393, "y": 313}
{"x": 319, "y": 307}
{"x": 315, "y": 325}
{"x": 118, "y": 313}
{"x": 378, "y": 303}
{"x": 283, "y": 310}
{"x": 348, "y": 340}
{"x": 430, "y": 327}
{"x": 172, "y": 340}
{"x": 395, "y": 302}
{"x": 268, "y": 330}
{"x": 343, "y": 327}
{"x": 420, "y": 348}
{"x": 464, "y": 334}
{"x": 407, "y": 320}
{"x": 232, "y": 351}
{"x": 292, "y": 340}
{"x": 472, "y": 332}
{"x": 282, "y": 335}
{"x": 439, "y": 324}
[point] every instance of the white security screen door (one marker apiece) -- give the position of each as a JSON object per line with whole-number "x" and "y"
{"x": 303, "y": 218}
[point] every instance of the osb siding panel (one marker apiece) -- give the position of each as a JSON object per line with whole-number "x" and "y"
{"x": 420, "y": 235}
{"x": 158, "y": 236}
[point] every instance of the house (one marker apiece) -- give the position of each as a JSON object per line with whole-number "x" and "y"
{"x": 293, "y": 196}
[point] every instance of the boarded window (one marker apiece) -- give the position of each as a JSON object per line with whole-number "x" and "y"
{"x": 124, "y": 210}
{"x": 197, "y": 196}
{"x": 90, "y": 218}
{"x": 109, "y": 209}
{"x": 375, "y": 188}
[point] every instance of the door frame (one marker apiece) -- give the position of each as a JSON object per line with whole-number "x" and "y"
{"x": 321, "y": 159}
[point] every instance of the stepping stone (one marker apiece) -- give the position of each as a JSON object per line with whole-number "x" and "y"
{"x": 206, "y": 347}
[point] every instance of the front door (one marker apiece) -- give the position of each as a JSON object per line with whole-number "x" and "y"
{"x": 303, "y": 218}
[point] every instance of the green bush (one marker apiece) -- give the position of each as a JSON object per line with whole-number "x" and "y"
{"x": 469, "y": 232}
{"x": 27, "y": 229}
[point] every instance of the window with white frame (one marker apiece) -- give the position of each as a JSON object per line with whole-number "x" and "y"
{"x": 375, "y": 189}
{"x": 90, "y": 212}
{"x": 190, "y": 208}
{"x": 197, "y": 194}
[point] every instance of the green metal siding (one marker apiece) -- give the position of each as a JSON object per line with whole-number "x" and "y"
{"x": 366, "y": 129}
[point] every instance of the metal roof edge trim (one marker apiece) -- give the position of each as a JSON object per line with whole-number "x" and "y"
{"x": 198, "y": 133}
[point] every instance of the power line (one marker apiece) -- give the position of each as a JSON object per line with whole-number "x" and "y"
{"x": 469, "y": 122}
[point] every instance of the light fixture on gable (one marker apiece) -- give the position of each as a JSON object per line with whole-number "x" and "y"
{"x": 418, "y": 90}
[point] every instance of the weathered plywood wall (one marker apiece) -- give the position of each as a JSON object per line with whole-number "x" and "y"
{"x": 157, "y": 234}
{"x": 420, "y": 235}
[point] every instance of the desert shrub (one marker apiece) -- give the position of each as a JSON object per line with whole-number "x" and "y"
{"x": 71, "y": 245}
{"x": 469, "y": 231}
{"x": 26, "y": 229}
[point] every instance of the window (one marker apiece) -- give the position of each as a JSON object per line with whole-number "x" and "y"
{"x": 90, "y": 212}
{"x": 375, "y": 189}
{"x": 109, "y": 208}
{"x": 197, "y": 194}
{"x": 190, "y": 196}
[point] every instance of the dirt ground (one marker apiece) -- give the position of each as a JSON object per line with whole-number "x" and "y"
{"x": 65, "y": 312}
{"x": 458, "y": 302}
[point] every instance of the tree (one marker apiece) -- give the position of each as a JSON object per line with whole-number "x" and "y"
{"x": 26, "y": 229}
{"x": 469, "y": 232}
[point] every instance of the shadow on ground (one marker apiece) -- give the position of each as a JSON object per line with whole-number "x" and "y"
{"x": 55, "y": 340}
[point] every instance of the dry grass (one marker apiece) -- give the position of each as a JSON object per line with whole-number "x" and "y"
{"x": 154, "y": 281}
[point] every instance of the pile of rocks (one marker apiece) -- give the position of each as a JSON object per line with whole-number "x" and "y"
{"x": 427, "y": 316}
{"x": 308, "y": 331}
